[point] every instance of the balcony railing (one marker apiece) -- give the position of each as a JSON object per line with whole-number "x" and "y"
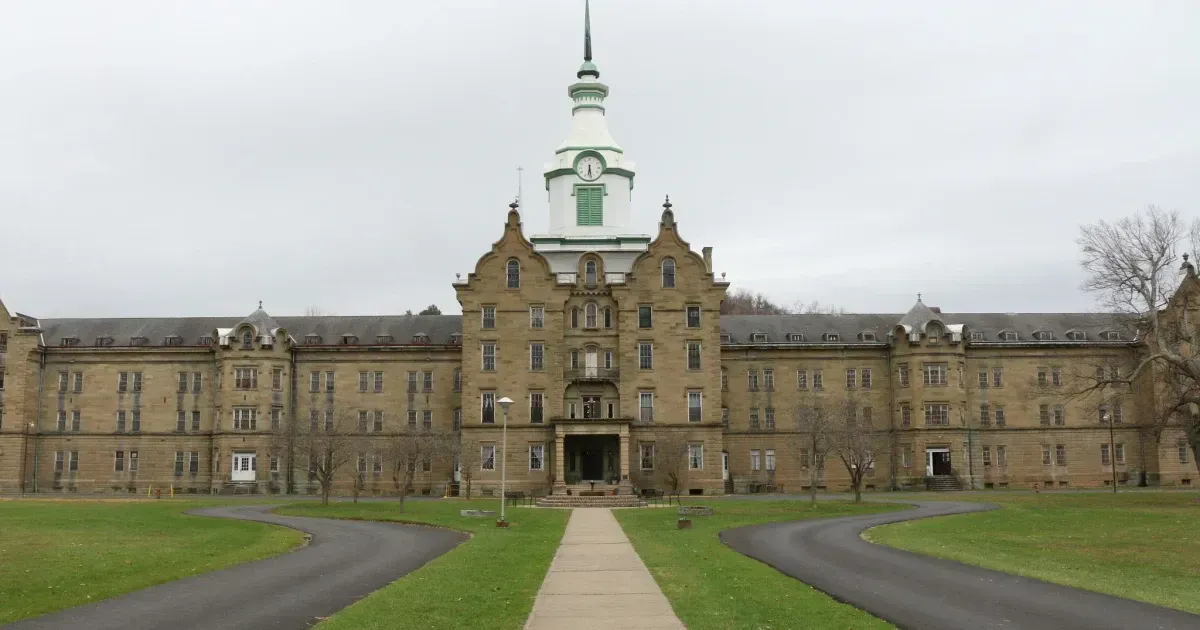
{"x": 591, "y": 374}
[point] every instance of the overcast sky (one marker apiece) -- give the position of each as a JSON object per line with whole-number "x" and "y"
{"x": 191, "y": 158}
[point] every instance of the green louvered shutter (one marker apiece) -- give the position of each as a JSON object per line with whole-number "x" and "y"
{"x": 589, "y": 205}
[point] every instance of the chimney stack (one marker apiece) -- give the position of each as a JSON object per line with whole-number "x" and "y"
{"x": 707, "y": 258}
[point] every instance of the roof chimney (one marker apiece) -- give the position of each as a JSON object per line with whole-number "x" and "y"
{"x": 707, "y": 258}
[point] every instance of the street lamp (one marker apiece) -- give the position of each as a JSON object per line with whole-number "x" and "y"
{"x": 505, "y": 403}
{"x": 1112, "y": 449}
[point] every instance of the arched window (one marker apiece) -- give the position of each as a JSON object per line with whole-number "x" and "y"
{"x": 668, "y": 274}
{"x": 589, "y": 315}
{"x": 574, "y": 317}
{"x": 514, "y": 274}
{"x": 607, "y": 317}
{"x": 247, "y": 339}
{"x": 933, "y": 332}
{"x": 589, "y": 272}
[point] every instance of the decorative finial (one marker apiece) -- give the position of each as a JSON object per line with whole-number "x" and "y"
{"x": 667, "y": 203}
{"x": 918, "y": 297}
{"x": 1185, "y": 257}
{"x": 458, "y": 276}
{"x": 260, "y": 304}
{"x": 587, "y": 30}
{"x": 514, "y": 205}
{"x": 722, "y": 275}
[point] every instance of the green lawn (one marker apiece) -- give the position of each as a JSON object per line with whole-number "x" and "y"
{"x": 59, "y": 554}
{"x": 712, "y": 586}
{"x": 1143, "y": 545}
{"x": 489, "y": 581}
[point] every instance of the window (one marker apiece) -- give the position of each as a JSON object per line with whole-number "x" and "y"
{"x": 488, "y": 407}
{"x": 1002, "y": 456}
{"x": 277, "y": 379}
{"x": 693, "y": 317}
{"x": 328, "y": 421}
{"x": 905, "y": 416}
{"x": 818, "y": 379}
{"x": 135, "y": 420}
{"x": 457, "y": 379}
{"x": 1000, "y": 420}
{"x": 1060, "y": 455}
{"x": 770, "y": 460}
{"x": 1120, "y": 454}
{"x": 76, "y": 421}
{"x": 724, "y": 379}
{"x": 754, "y": 460}
{"x": 536, "y": 406}
{"x": 608, "y": 359}
{"x": 1043, "y": 335}
{"x": 693, "y": 355}
{"x": 805, "y": 460}
{"x": 754, "y": 420}
{"x": 487, "y": 456}
{"x": 514, "y": 274}
{"x": 247, "y": 339}
{"x": 1182, "y": 447}
{"x": 120, "y": 422}
{"x": 645, "y": 356}
{"x": 935, "y": 374}
{"x": 3, "y": 342}
{"x": 1008, "y": 335}
{"x": 902, "y": 375}
{"x": 769, "y": 380}
{"x": 646, "y": 406}
{"x": 607, "y": 317}
{"x": 802, "y": 379}
{"x": 314, "y": 381}
{"x": 832, "y": 337}
{"x": 1046, "y": 457}
{"x": 574, "y": 317}
{"x": 906, "y": 456}
{"x": 758, "y": 337}
{"x": 329, "y": 376}
{"x": 937, "y": 414}
{"x": 378, "y": 382}
{"x": 77, "y": 385}
{"x": 589, "y": 205}
{"x": 489, "y": 357}
{"x": 1041, "y": 377}
{"x": 645, "y": 317}
{"x": 1056, "y": 377}
{"x": 178, "y": 463}
{"x": 695, "y": 404}
{"x": 363, "y": 421}
{"x": 647, "y": 456}
{"x": 123, "y": 382}
{"x": 245, "y": 378}
{"x": 589, "y": 272}
{"x": 769, "y": 418}
{"x": 181, "y": 421}
{"x": 987, "y": 457}
{"x": 412, "y": 382}
{"x": 695, "y": 457}
{"x": 1044, "y": 415}
{"x": 245, "y": 418}
{"x": 195, "y": 420}
{"x": 489, "y": 317}
{"x": 377, "y": 421}
{"x": 983, "y": 378}
{"x": 183, "y": 382}
{"x": 985, "y": 414}
{"x": 1104, "y": 455}
{"x": 194, "y": 462}
{"x": 537, "y": 317}
{"x": 427, "y": 419}
{"x": 133, "y": 461}
{"x": 119, "y": 461}
{"x": 412, "y": 418}
{"x": 864, "y": 377}
{"x": 976, "y": 336}
{"x": 427, "y": 381}
{"x": 725, "y": 417}
{"x": 1060, "y": 417}
{"x": 377, "y": 464}
{"x": 997, "y": 377}
{"x": 62, "y": 421}
{"x": 851, "y": 378}
{"x": 537, "y": 456}
{"x": 668, "y": 274}
{"x": 589, "y": 315}
{"x": 752, "y": 380}
{"x": 457, "y": 419}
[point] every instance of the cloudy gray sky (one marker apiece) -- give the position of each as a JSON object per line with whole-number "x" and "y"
{"x": 192, "y": 158}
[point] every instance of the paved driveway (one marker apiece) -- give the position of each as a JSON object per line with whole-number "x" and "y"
{"x": 345, "y": 561}
{"x": 917, "y": 591}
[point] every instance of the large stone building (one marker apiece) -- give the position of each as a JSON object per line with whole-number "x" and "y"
{"x": 621, "y": 368}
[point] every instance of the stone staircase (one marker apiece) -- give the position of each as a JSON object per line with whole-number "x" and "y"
{"x": 238, "y": 487}
{"x": 576, "y": 501}
{"x": 944, "y": 483}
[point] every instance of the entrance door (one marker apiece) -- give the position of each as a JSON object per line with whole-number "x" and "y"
{"x": 937, "y": 461}
{"x": 725, "y": 465}
{"x": 591, "y": 407}
{"x": 245, "y": 465}
{"x": 592, "y": 464}
{"x": 591, "y": 363}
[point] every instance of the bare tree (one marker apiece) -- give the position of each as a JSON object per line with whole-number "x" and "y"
{"x": 411, "y": 448}
{"x": 469, "y": 460}
{"x": 855, "y": 441}
{"x": 815, "y": 307}
{"x": 1131, "y": 269}
{"x": 316, "y": 311}
{"x": 670, "y": 459}
{"x": 747, "y": 302}
{"x": 330, "y": 443}
{"x": 813, "y": 442}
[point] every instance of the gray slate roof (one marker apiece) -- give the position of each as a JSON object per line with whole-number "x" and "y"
{"x": 848, "y": 326}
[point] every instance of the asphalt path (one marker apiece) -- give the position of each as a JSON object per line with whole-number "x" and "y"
{"x": 343, "y": 561}
{"x": 916, "y": 591}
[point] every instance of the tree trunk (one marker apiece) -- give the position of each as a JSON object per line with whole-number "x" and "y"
{"x": 325, "y": 493}
{"x": 812, "y": 487}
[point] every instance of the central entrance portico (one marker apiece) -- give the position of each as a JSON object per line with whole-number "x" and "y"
{"x": 591, "y": 451}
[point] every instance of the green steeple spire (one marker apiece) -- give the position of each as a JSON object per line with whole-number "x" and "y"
{"x": 588, "y": 68}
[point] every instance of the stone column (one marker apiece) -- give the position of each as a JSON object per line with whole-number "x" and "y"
{"x": 560, "y": 476}
{"x": 625, "y": 486}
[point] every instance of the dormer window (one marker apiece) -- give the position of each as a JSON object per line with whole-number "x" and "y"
{"x": 173, "y": 340}
{"x": 795, "y": 337}
{"x": 420, "y": 338}
{"x": 758, "y": 337}
{"x": 267, "y": 341}
{"x": 1110, "y": 335}
{"x": 206, "y": 340}
{"x": 831, "y": 336}
{"x": 1076, "y": 335}
{"x": 976, "y": 336}
{"x": 104, "y": 341}
{"x": 589, "y": 273}
{"x": 456, "y": 339}
{"x": 514, "y": 274}
{"x": 933, "y": 333}
{"x": 1008, "y": 335}
{"x": 1043, "y": 335}
{"x": 384, "y": 339}
{"x": 866, "y": 336}
{"x": 312, "y": 339}
{"x": 349, "y": 339}
{"x": 668, "y": 274}
{"x": 247, "y": 339}
{"x": 69, "y": 341}
{"x": 138, "y": 341}
{"x": 726, "y": 338}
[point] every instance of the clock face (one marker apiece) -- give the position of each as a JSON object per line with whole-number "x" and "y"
{"x": 589, "y": 167}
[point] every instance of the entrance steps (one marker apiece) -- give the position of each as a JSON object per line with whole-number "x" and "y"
{"x": 239, "y": 487}
{"x": 943, "y": 483}
{"x": 576, "y": 501}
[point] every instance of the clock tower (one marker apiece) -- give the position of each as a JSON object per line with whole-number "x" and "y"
{"x": 589, "y": 181}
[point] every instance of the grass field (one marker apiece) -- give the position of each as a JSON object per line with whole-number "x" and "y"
{"x": 59, "y": 554}
{"x": 1142, "y": 545}
{"x": 711, "y": 586}
{"x": 488, "y": 582}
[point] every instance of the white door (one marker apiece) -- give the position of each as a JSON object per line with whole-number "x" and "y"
{"x": 245, "y": 466}
{"x": 591, "y": 364}
{"x": 725, "y": 465}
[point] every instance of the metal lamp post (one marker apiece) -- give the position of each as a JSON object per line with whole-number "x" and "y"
{"x": 505, "y": 403}
{"x": 1112, "y": 450}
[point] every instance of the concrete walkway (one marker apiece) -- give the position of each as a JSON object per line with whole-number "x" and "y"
{"x": 598, "y": 581}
